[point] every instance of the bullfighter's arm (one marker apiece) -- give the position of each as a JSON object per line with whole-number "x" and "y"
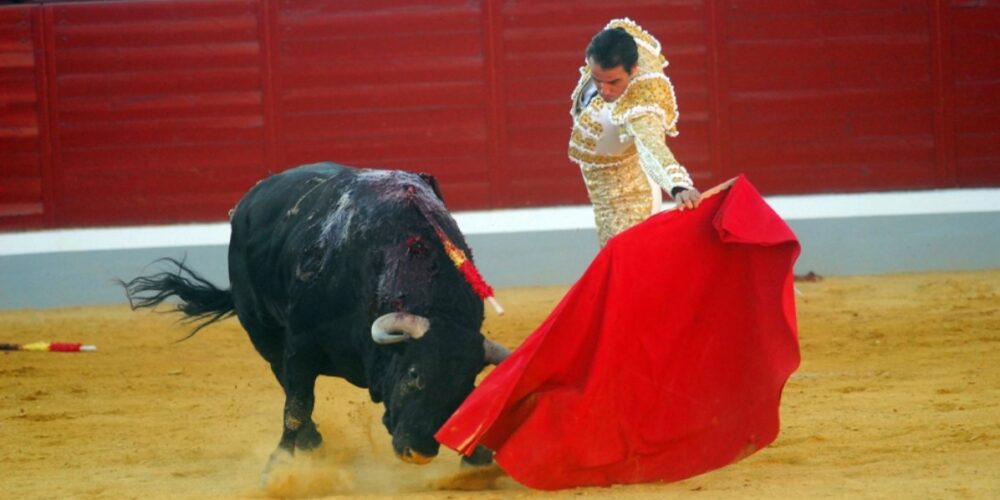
{"x": 655, "y": 157}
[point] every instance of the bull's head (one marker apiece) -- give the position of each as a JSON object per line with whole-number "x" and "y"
{"x": 428, "y": 378}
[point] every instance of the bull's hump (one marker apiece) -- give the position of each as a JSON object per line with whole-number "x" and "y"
{"x": 393, "y": 184}
{"x": 367, "y": 199}
{"x": 331, "y": 181}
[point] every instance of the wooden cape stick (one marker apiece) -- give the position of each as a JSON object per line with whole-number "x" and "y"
{"x": 711, "y": 192}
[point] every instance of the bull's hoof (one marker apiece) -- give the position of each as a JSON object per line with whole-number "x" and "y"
{"x": 413, "y": 457}
{"x": 481, "y": 457}
{"x": 279, "y": 458}
{"x": 308, "y": 438}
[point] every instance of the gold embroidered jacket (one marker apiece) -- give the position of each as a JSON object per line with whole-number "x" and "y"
{"x": 620, "y": 146}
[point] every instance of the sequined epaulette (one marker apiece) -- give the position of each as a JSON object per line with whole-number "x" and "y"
{"x": 648, "y": 93}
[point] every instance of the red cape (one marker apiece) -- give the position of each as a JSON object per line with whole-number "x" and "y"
{"x": 665, "y": 360}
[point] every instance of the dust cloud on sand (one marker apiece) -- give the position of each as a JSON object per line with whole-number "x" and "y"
{"x": 898, "y": 396}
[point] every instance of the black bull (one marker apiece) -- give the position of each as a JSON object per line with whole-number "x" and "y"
{"x": 337, "y": 271}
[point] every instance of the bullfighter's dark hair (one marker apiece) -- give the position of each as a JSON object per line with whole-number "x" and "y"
{"x": 612, "y": 48}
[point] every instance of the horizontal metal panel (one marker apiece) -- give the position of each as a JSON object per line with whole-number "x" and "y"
{"x": 114, "y": 59}
{"x": 819, "y": 7}
{"x": 21, "y": 189}
{"x": 978, "y": 172}
{"x": 389, "y": 125}
{"x": 769, "y": 55}
{"x": 553, "y": 113}
{"x": 852, "y": 75}
{"x": 19, "y": 165}
{"x": 389, "y": 153}
{"x": 307, "y": 72}
{"x": 979, "y": 146}
{"x": 808, "y": 26}
{"x": 203, "y": 157}
{"x": 151, "y": 183}
{"x": 162, "y": 133}
{"x": 160, "y": 32}
{"x": 370, "y": 6}
{"x": 982, "y": 120}
{"x": 749, "y": 106}
{"x": 856, "y": 156}
{"x": 343, "y": 50}
{"x": 355, "y": 99}
{"x": 303, "y": 24}
{"x": 593, "y": 15}
{"x": 147, "y": 210}
{"x": 773, "y": 130}
{"x": 111, "y": 15}
{"x": 525, "y": 192}
{"x": 124, "y": 108}
{"x": 158, "y": 81}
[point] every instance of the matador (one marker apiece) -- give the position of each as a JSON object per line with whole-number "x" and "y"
{"x": 622, "y": 114}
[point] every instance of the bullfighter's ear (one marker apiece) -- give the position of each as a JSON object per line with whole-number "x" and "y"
{"x": 433, "y": 183}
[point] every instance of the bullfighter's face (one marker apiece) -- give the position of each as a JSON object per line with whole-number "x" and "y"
{"x": 611, "y": 82}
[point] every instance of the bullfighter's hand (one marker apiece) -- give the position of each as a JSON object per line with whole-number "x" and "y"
{"x": 689, "y": 199}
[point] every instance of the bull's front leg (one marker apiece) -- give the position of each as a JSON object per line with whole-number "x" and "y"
{"x": 298, "y": 379}
{"x": 299, "y": 431}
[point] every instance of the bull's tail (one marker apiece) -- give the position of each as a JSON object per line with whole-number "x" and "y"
{"x": 201, "y": 301}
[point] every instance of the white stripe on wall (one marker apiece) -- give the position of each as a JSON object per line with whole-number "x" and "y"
{"x": 825, "y": 206}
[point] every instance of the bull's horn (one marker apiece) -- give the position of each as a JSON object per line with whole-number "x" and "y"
{"x": 410, "y": 325}
{"x": 495, "y": 353}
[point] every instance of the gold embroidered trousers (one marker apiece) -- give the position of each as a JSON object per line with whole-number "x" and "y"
{"x": 620, "y": 193}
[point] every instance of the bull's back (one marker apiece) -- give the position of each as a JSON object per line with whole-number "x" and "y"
{"x": 276, "y": 195}
{"x": 267, "y": 228}
{"x": 314, "y": 213}
{"x": 330, "y": 208}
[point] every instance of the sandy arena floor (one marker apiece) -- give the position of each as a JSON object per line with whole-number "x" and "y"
{"x": 898, "y": 396}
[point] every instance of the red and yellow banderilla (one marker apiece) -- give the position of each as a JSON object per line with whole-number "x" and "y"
{"x": 458, "y": 257}
{"x": 48, "y": 347}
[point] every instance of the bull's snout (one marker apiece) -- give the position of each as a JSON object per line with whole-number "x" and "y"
{"x": 410, "y": 456}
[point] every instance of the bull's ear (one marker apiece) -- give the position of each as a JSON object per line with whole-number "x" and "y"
{"x": 433, "y": 183}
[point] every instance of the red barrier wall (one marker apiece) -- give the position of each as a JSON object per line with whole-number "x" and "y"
{"x": 136, "y": 112}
